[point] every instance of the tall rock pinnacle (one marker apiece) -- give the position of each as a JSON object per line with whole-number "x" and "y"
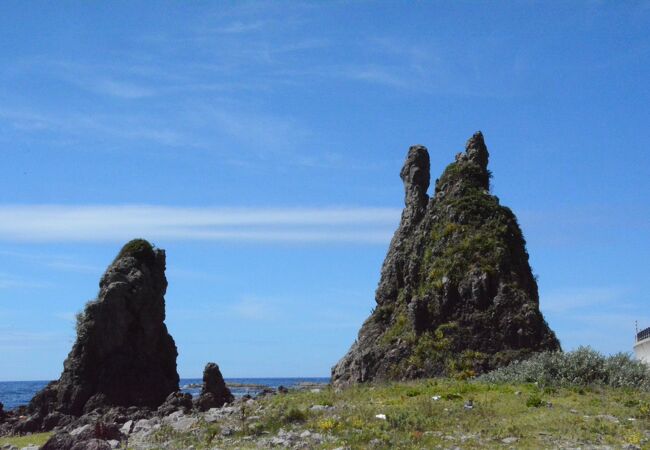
{"x": 123, "y": 354}
{"x": 456, "y": 294}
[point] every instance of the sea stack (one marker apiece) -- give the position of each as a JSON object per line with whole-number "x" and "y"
{"x": 123, "y": 354}
{"x": 457, "y": 295}
{"x": 214, "y": 392}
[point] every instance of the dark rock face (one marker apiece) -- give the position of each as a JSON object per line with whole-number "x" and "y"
{"x": 456, "y": 295}
{"x": 123, "y": 354}
{"x": 214, "y": 392}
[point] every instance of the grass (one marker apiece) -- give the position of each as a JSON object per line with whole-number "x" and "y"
{"x": 23, "y": 441}
{"x": 536, "y": 417}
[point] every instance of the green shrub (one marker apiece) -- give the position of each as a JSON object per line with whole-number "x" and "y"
{"x": 295, "y": 415}
{"x": 582, "y": 367}
{"x": 412, "y": 392}
{"x": 534, "y": 401}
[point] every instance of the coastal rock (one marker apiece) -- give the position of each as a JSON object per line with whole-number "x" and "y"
{"x": 176, "y": 401}
{"x": 123, "y": 354}
{"x": 214, "y": 392}
{"x": 457, "y": 295}
{"x": 88, "y": 436}
{"x": 59, "y": 441}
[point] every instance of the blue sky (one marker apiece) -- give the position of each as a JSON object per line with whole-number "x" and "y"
{"x": 260, "y": 145}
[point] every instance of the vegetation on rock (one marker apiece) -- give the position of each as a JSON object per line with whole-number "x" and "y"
{"x": 138, "y": 248}
{"x": 457, "y": 296}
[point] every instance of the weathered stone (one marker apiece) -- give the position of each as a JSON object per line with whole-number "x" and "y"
{"x": 123, "y": 354}
{"x": 92, "y": 444}
{"x": 176, "y": 401}
{"x": 59, "y": 441}
{"x": 456, "y": 291}
{"x": 214, "y": 392}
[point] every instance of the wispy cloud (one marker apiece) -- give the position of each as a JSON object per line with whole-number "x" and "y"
{"x": 57, "y": 262}
{"x": 600, "y": 316}
{"x": 28, "y": 340}
{"x": 9, "y": 281}
{"x": 238, "y": 27}
{"x": 122, "y": 89}
{"x": 572, "y": 299}
{"x": 117, "y": 223}
{"x": 253, "y": 308}
{"x": 80, "y": 126}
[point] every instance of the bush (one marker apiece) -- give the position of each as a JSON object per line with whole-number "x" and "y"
{"x": 582, "y": 367}
{"x": 295, "y": 415}
{"x": 534, "y": 401}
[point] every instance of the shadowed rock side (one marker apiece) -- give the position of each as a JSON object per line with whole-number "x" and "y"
{"x": 456, "y": 294}
{"x": 123, "y": 354}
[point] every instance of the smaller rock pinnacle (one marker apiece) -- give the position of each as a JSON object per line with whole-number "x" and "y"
{"x": 416, "y": 177}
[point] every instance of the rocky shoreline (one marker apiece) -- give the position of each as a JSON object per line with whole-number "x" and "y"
{"x": 141, "y": 428}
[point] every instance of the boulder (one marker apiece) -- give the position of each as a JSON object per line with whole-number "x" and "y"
{"x": 214, "y": 392}
{"x": 456, "y": 295}
{"x": 176, "y": 401}
{"x": 123, "y": 354}
{"x": 59, "y": 441}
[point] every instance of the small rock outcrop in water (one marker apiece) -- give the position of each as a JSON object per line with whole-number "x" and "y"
{"x": 214, "y": 392}
{"x": 456, "y": 295}
{"x": 123, "y": 354}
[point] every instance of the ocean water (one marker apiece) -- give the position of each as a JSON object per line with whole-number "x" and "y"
{"x": 17, "y": 393}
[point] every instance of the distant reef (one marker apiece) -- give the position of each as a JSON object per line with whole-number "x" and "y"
{"x": 123, "y": 354}
{"x": 457, "y": 296}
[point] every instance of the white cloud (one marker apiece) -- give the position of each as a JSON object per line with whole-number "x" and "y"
{"x": 51, "y": 223}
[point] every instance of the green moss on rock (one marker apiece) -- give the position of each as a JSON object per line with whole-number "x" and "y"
{"x": 457, "y": 296}
{"x": 140, "y": 249}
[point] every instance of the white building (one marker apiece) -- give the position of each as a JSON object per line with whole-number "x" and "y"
{"x": 642, "y": 346}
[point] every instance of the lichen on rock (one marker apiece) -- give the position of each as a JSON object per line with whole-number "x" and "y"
{"x": 457, "y": 295}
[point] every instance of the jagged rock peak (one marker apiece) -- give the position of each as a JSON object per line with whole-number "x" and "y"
{"x": 123, "y": 354}
{"x": 456, "y": 294}
{"x": 476, "y": 150}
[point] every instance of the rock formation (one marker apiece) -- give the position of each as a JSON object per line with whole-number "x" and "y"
{"x": 456, "y": 295}
{"x": 123, "y": 354}
{"x": 214, "y": 392}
